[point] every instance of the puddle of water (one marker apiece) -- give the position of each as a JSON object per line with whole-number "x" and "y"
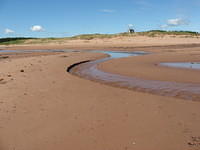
{"x": 118, "y": 54}
{"x": 188, "y": 65}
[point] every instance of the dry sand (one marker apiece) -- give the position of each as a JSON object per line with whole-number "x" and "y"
{"x": 42, "y": 107}
{"x": 118, "y": 43}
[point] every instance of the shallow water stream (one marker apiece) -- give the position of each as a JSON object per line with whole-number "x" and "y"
{"x": 89, "y": 70}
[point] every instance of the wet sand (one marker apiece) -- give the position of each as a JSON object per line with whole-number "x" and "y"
{"x": 45, "y": 108}
{"x": 148, "y": 66}
{"x": 91, "y": 71}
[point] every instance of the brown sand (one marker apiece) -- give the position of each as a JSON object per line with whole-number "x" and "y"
{"x": 45, "y": 108}
{"x": 149, "y": 67}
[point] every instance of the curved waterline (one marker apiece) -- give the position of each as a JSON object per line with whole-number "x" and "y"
{"x": 90, "y": 71}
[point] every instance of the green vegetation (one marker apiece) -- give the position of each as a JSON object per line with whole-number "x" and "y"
{"x": 152, "y": 33}
{"x": 147, "y": 33}
{"x": 93, "y": 36}
{"x": 10, "y": 41}
{"x": 163, "y": 32}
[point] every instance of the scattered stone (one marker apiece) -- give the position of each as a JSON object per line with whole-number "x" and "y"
{"x": 2, "y": 81}
{"x": 9, "y": 75}
{"x": 191, "y": 144}
{"x": 4, "y": 57}
{"x": 64, "y": 56}
{"x": 133, "y": 143}
{"x": 195, "y": 141}
{"x": 22, "y": 70}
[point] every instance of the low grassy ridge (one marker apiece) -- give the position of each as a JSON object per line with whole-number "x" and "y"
{"x": 152, "y": 33}
{"x": 9, "y": 41}
{"x": 172, "y": 33}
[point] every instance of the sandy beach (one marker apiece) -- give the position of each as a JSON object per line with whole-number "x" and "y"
{"x": 42, "y": 107}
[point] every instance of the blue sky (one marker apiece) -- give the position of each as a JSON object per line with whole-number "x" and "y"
{"x": 58, "y": 18}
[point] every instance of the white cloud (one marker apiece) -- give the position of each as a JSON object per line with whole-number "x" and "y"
{"x": 9, "y": 31}
{"x": 108, "y": 10}
{"x": 175, "y": 22}
{"x": 37, "y": 28}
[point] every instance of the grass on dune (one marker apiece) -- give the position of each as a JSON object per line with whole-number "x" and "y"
{"x": 173, "y": 33}
{"x": 93, "y": 36}
{"x": 22, "y": 40}
{"x": 152, "y": 33}
{"x": 10, "y": 41}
